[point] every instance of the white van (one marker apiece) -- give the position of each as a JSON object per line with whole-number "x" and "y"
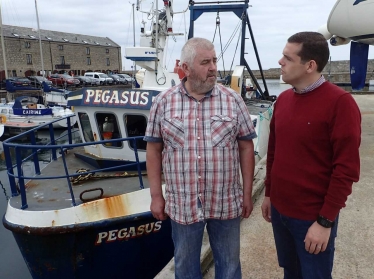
{"x": 103, "y": 78}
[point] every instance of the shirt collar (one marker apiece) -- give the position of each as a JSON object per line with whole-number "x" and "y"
{"x": 311, "y": 87}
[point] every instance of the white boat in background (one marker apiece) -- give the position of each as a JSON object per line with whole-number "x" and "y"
{"x": 25, "y": 109}
{"x": 352, "y": 21}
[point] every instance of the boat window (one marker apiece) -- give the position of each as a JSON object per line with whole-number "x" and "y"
{"x": 108, "y": 127}
{"x": 86, "y": 127}
{"x": 135, "y": 126}
{"x": 4, "y": 111}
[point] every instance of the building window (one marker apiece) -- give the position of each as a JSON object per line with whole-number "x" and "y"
{"x": 61, "y": 47}
{"x": 27, "y": 44}
{"x": 107, "y": 62}
{"x": 88, "y": 60}
{"x": 107, "y": 50}
{"x": 62, "y": 60}
{"x": 87, "y": 50}
{"x": 29, "y": 58}
{"x": 14, "y": 73}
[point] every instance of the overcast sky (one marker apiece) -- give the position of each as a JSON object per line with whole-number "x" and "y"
{"x": 273, "y": 21}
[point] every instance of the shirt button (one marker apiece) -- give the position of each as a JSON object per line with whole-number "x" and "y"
{"x": 199, "y": 176}
{"x": 199, "y": 157}
{"x": 198, "y": 137}
{"x": 200, "y": 195}
{"x": 197, "y": 119}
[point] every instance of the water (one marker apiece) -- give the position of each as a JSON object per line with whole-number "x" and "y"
{"x": 274, "y": 87}
{"x": 12, "y": 265}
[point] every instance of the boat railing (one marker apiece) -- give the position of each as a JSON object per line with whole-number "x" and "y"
{"x": 57, "y": 150}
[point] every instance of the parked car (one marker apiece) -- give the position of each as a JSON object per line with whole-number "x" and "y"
{"x": 103, "y": 78}
{"x": 16, "y": 81}
{"x": 63, "y": 80}
{"x": 19, "y": 81}
{"x": 117, "y": 79}
{"x": 87, "y": 81}
{"x": 95, "y": 81}
{"x": 36, "y": 81}
{"x": 127, "y": 77}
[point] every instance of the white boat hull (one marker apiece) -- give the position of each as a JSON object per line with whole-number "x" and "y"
{"x": 353, "y": 19}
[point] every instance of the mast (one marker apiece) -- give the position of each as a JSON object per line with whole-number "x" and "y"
{"x": 40, "y": 39}
{"x": 3, "y": 45}
{"x": 133, "y": 30}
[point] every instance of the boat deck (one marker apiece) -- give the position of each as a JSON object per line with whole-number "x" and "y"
{"x": 54, "y": 194}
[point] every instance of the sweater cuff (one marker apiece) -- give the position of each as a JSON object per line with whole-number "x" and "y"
{"x": 267, "y": 191}
{"x": 329, "y": 211}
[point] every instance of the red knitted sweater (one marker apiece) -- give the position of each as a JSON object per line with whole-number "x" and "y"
{"x": 313, "y": 154}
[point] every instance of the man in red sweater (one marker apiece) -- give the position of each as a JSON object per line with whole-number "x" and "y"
{"x": 312, "y": 162}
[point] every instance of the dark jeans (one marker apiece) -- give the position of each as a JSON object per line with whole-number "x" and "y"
{"x": 289, "y": 235}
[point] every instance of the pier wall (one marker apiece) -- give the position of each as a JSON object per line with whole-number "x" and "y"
{"x": 337, "y": 71}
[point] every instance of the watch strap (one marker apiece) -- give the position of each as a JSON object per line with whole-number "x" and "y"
{"x": 324, "y": 222}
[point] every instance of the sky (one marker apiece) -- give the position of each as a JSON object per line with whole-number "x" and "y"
{"x": 272, "y": 21}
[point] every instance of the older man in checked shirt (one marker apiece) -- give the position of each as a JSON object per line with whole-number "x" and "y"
{"x": 200, "y": 135}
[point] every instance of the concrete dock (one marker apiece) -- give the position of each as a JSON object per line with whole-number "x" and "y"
{"x": 355, "y": 242}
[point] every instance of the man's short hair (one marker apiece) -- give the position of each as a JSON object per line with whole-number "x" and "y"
{"x": 314, "y": 47}
{"x": 188, "y": 53}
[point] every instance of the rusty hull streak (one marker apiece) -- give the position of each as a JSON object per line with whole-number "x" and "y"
{"x": 114, "y": 206}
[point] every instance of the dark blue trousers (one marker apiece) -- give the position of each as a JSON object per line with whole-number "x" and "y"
{"x": 289, "y": 235}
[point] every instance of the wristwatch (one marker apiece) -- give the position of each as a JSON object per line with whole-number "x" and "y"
{"x": 324, "y": 222}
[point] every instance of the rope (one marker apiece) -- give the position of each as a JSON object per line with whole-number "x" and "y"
{"x": 237, "y": 44}
{"x": 86, "y": 175}
{"x": 2, "y": 186}
{"x": 220, "y": 40}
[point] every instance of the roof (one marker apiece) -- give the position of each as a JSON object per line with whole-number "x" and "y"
{"x": 55, "y": 36}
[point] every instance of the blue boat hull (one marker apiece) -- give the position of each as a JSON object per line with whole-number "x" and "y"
{"x": 123, "y": 248}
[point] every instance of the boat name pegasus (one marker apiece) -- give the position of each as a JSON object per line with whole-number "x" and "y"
{"x": 126, "y": 233}
{"x": 108, "y": 97}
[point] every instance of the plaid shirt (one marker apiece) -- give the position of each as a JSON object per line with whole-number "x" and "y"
{"x": 200, "y": 158}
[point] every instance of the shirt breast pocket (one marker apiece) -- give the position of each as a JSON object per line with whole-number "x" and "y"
{"x": 224, "y": 130}
{"x": 173, "y": 132}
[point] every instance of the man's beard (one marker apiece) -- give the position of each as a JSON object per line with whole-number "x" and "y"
{"x": 200, "y": 85}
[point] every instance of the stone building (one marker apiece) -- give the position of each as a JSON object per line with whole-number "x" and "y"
{"x": 62, "y": 52}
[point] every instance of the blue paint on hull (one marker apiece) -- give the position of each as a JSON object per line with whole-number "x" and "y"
{"x": 73, "y": 254}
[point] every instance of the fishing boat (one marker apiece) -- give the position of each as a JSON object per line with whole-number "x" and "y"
{"x": 26, "y": 109}
{"x": 352, "y": 21}
{"x": 86, "y": 214}
{"x": 54, "y": 96}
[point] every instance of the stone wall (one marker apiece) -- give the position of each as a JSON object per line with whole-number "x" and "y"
{"x": 74, "y": 54}
{"x": 339, "y": 71}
